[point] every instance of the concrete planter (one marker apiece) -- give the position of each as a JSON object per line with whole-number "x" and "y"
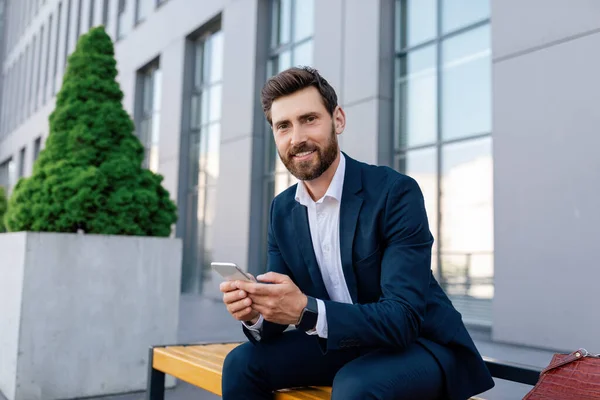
{"x": 79, "y": 312}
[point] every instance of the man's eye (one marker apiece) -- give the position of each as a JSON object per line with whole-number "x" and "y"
{"x": 282, "y": 126}
{"x": 311, "y": 119}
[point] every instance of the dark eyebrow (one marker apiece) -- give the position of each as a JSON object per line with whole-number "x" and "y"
{"x": 300, "y": 117}
{"x": 308, "y": 114}
{"x": 275, "y": 123}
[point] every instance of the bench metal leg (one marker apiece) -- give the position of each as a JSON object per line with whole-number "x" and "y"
{"x": 156, "y": 381}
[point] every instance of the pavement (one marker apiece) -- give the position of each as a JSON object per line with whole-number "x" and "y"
{"x": 205, "y": 319}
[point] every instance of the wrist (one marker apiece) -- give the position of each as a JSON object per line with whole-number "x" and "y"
{"x": 310, "y": 313}
{"x": 303, "y": 304}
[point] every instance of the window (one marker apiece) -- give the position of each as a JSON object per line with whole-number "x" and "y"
{"x": 37, "y": 147}
{"x": 7, "y": 175}
{"x": 34, "y": 61}
{"x": 23, "y": 85}
{"x": 19, "y": 97}
{"x": 443, "y": 73}
{"x": 148, "y": 113}
{"x": 47, "y": 64}
{"x": 143, "y": 8}
{"x": 291, "y": 44}
{"x": 56, "y": 43}
{"x": 78, "y": 22}
{"x": 204, "y": 125}
{"x": 91, "y": 14}
{"x": 22, "y": 162}
{"x": 105, "y": 13}
{"x": 67, "y": 34}
{"x": 39, "y": 69}
{"x": 122, "y": 25}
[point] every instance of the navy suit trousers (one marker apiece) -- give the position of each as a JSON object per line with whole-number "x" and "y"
{"x": 294, "y": 359}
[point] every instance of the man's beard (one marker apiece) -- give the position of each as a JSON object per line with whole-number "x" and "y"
{"x": 311, "y": 169}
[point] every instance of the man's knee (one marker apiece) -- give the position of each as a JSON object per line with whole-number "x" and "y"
{"x": 239, "y": 363}
{"x": 349, "y": 386}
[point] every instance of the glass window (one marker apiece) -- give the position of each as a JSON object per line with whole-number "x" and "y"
{"x": 149, "y": 114}
{"x": 459, "y": 13}
{"x": 291, "y": 44}
{"x": 21, "y": 172}
{"x": 91, "y": 14}
{"x": 467, "y": 84}
{"x": 105, "y": 13}
{"x": 281, "y": 23}
{"x": 143, "y": 8}
{"x": 78, "y": 30}
{"x": 37, "y": 147}
{"x": 467, "y": 224}
{"x": 68, "y": 32}
{"x": 122, "y": 25}
{"x": 442, "y": 135}
{"x": 303, "y": 19}
{"x": 55, "y": 71}
{"x": 302, "y": 54}
{"x": 8, "y": 175}
{"x": 421, "y": 165}
{"x": 417, "y": 22}
{"x": 39, "y": 68}
{"x": 47, "y": 63}
{"x": 205, "y": 104}
{"x": 416, "y": 98}
{"x": 287, "y": 50}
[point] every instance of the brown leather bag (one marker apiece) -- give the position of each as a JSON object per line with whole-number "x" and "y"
{"x": 569, "y": 377}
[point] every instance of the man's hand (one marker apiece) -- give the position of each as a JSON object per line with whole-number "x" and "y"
{"x": 279, "y": 301}
{"x": 238, "y": 303}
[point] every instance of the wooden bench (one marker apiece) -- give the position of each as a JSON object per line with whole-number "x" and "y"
{"x": 202, "y": 365}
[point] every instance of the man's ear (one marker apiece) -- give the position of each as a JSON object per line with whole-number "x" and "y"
{"x": 339, "y": 120}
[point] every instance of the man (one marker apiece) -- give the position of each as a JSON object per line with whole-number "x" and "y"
{"x": 349, "y": 261}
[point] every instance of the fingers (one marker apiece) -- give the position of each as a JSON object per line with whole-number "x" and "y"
{"x": 238, "y": 306}
{"x": 233, "y": 296}
{"x": 273, "y": 277}
{"x": 244, "y": 314}
{"x": 262, "y": 289}
{"x": 227, "y": 286}
{"x": 265, "y": 301}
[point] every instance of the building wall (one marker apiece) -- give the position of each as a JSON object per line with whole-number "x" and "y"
{"x": 543, "y": 129}
{"x": 547, "y": 170}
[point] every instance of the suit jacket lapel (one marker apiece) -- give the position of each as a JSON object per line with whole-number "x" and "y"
{"x": 349, "y": 211}
{"x": 302, "y": 234}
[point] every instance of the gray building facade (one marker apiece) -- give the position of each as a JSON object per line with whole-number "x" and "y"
{"x": 489, "y": 104}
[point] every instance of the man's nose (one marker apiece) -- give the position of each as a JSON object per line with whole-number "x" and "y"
{"x": 298, "y": 135}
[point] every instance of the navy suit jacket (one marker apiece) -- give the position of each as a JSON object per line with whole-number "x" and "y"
{"x": 385, "y": 245}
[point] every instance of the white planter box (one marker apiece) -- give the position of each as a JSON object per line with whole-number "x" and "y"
{"x": 78, "y": 313}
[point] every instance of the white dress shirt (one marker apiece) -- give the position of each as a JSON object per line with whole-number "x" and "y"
{"x": 324, "y": 223}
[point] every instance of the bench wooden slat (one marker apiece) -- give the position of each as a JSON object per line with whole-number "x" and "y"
{"x": 310, "y": 393}
{"x": 201, "y": 374}
{"x": 202, "y": 366}
{"x": 192, "y": 355}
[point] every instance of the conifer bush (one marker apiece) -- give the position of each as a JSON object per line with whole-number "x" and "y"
{"x": 90, "y": 175}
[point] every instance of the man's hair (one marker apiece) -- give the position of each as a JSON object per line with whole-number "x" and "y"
{"x": 292, "y": 80}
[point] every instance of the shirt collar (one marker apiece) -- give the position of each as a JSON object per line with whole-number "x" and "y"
{"x": 334, "y": 190}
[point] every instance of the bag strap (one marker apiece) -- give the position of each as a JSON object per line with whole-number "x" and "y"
{"x": 574, "y": 356}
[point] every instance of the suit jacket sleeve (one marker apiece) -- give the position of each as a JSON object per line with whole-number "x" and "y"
{"x": 275, "y": 263}
{"x": 395, "y": 320}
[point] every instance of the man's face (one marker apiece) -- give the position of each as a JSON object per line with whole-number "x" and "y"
{"x": 305, "y": 133}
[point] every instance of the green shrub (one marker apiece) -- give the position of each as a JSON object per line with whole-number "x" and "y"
{"x": 2, "y": 208}
{"x": 90, "y": 174}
